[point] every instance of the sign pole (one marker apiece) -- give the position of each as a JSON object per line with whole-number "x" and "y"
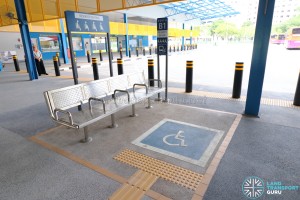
{"x": 158, "y": 76}
{"x": 109, "y": 56}
{"x": 162, "y": 47}
{"x": 74, "y": 67}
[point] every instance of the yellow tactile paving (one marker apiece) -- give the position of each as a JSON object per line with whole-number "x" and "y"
{"x": 136, "y": 187}
{"x": 169, "y": 172}
{"x": 265, "y": 101}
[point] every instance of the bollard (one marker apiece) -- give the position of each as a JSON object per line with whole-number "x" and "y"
{"x": 129, "y": 53}
{"x": 16, "y": 62}
{"x": 155, "y": 50}
{"x": 238, "y": 78}
{"x": 56, "y": 67}
{"x": 95, "y": 68}
{"x": 112, "y": 55}
{"x": 181, "y": 47}
{"x": 184, "y": 47}
{"x": 144, "y": 52}
{"x": 150, "y": 51}
{"x": 189, "y": 76}
{"x": 137, "y": 52}
{"x": 170, "y": 49}
{"x": 120, "y": 66}
{"x": 151, "y": 71}
{"x": 297, "y": 94}
{"x": 57, "y": 55}
{"x": 121, "y": 54}
{"x": 100, "y": 53}
{"x": 178, "y": 48}
{"x": 88, "y": 56}
{"x": 174, "y": 49}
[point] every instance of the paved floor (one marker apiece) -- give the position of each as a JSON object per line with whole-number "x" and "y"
{"x": 266, "y": 147}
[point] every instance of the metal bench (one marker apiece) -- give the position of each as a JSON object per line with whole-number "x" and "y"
{"x": 112, "y": 94}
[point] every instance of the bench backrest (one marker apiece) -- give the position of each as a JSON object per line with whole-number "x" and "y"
{"x": 76, "y": 95}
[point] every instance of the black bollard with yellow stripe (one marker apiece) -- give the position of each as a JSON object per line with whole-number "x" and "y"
{"x": 95, "y": 68}
{"x": 297, "y": 94}
{"x": 189, "y": 77}
{"x": 57, "y": 55}
{"x": 16, "y": 62}
{"x": 101, "y": 57}
{"x": 238, "y": 78}
{"x": 56, "y": 67}
{"x": 151, "y": 71}
{"x": 120, "y": 66}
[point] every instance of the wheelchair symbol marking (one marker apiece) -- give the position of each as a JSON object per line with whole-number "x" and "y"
{"x": 177, "y": 136}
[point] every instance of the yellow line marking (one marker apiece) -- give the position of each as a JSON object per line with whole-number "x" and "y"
{"x": 47, "y": 131}
{"x": 98, "y": 169}
{"x": 169, "y": 172}
{"x": 201, "y": 189}
{"x": 76, "y": 159}
{"x": 240, "y": 69}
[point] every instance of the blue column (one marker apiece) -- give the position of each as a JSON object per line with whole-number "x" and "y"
{"x": 191, "y": 38}
{"x": 64, "y": 42}
{"x": 24, "y": 30}
{"x": 182, "y": 39}
{"x": 126, "y": 36}
{"x": 259, "y": 56}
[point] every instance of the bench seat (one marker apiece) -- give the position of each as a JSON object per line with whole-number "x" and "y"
{"x": 98, "y": 99}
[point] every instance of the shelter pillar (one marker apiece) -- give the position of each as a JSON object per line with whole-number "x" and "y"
{"x": 126, "y": 36}
{"x": 182, "y": 39}
{"x": 259, "y": 56}
{"x": 64, "y": 42}
{"x": 24, "y": 30}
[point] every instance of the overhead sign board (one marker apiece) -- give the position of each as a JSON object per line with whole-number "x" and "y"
{"x": 83, "y": 22}
{"x": 162, "y": 36}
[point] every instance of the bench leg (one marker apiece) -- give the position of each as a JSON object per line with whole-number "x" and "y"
{"x": 86, "y": 138}
{"x": 149, "y": 104}
{"x": 113, "y": 121}
{"x": 133, "y": 111}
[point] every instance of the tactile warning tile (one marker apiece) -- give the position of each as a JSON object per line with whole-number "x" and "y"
{"x": 135, "y": 187}
{"x": 164, "y": 170}
{"x": 265, "y": 101}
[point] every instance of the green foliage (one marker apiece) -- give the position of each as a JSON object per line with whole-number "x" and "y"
{"x": 283, "y": 27}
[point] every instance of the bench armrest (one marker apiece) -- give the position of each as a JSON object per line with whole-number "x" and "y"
{"x": 158, "y": 80}
{"x": 138, "y": 84}
{"x": 97, "y": 99}
{"x": 125, "y": 91}
{"x": 56, "y": 111}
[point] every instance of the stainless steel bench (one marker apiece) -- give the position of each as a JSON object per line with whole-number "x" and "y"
{"x": 111, "y": 94}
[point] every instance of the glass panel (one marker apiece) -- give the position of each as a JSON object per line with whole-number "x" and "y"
{"x": 132, "y": 3}
{"x": 77, "y": 43}
{"x": 110, "y": 5}
{"x": 35, "y": 10}
{"x": 50, "y": 9}
{"x": 66, "y": 5}
{"x": 88, "y": 6}
{"x": 49, "y": 43}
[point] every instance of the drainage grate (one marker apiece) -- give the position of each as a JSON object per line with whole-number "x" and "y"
{"x": 265, "y": 101}
{"x": 164, "y": 170}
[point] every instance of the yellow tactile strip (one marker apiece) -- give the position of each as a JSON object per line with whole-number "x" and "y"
{"x": 135, "y": 187}
{"x": 265, "y": 101}
{"x": 164, "y": 170}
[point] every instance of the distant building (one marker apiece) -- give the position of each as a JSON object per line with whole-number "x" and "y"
{"x": 284, "y": 10}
